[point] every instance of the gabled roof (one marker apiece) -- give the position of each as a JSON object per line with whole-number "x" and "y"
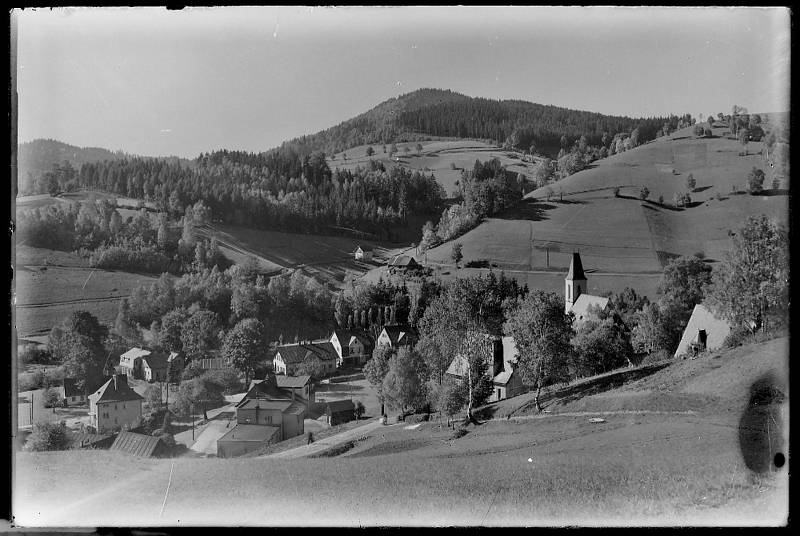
{"x": 404, "y": 261}
{"x": 292, "y": 382}
{"x": 575, "y": 268}
{"x": 581, "y": 306}
{"x": 716, "y": 330}
{"x": 399, "y": 334}
{"x": 155, "y": 360}
{"x": 503, "y": 377}
{"x": 116, "y": 390}
{"x": 265, "y": 390}
{"x": 134, "y": 353}
{"x": 86, "y": 440}
{"x": 458, "y": 366}
{"x": 250, "y": 432}
{"x": 298, "y": 352}
{"x": 141, "y": 445}
{"x": 363, "y": 250}
{"x": 338, "y": 406}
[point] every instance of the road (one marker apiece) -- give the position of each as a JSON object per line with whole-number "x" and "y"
{"x": 323, "y": 444}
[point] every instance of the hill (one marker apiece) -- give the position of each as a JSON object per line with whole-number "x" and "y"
{"x": 622, "y": 239}
{"x": 37, "y": 157}
{"x": 427, "y": 113}
{"x": 646, "y": 463}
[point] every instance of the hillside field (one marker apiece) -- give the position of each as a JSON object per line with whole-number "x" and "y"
{"x": 665, "y": 452}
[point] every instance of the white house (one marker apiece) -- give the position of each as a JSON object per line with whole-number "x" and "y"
{"x": 288, "y": 357}
{"x": 396, "y": 336}
{"x": 351, "y": 348}
{"x": 115, "y": 405}
{"x": 363, "y": 254}
{"x": 704, "y": 331}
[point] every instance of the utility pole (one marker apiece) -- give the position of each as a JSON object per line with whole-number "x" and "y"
{"x": 192, "y": 422}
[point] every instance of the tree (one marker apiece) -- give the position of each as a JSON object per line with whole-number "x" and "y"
{"x": 455, "y": 253}
{"x": 199, "y": 334}
{"x": 476, "y": 349}
{"x": 312, "y": 366}
{"x": 690, "y": 182}
{"x": 244, "y": 346}
{"x": 358, "y": 409}
{"x": 449, "y": 397}
{"x": 169, "y": 336}
{"x": 49, "y": 436}
{"x": 124, "y": 325}
{"x": 78, "y": 342}
{"x": 370, "y": 151}
{"x": 376, "y": 369}
{"x": 418, "y": 148}
{"x": 600, "y": 346}
{"x": 202, "y": 391}
{"x": 755, "y": 181}
{"x": 542, "y": 332}
{"x": 153, "y": 396}
{"x": 51, "y": 397}
{"x": 744, "y": 138}
{"x": 751, "y": 286}
{"x": 684, "y": 284}
{"x": 403, "y": 386}
{"x": 656, "y": 329}
{"x": 644, "y": 193}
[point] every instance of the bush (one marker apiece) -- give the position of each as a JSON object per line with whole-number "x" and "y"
{"x": 458, "y": 433}
{"x": 656, "y": 357}
{"x": 51, "y": 398}
{"x": 49, "y": 436}
{"x": 147, "y": 259}
{"x": 418, "y": 417}
{"x": 31, "y": 353}
{"x": 737, "y": 337}
{"x": 30, "y": 381}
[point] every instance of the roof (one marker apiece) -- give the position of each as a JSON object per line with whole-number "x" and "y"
{"x": 83, "y": 440}
{"x": 136, "y": 444}
{"x": 404, "y": 261}
{"x": 338, "y": 406}
{"x": 260, "y": 403}
{"x": 398, "y": 334}
{"x": 296, "y": 408}
{"x": 575, "y": 268}
{"x": 717, "y": 329}
{"x": 116, "y": 391}
{"x": 458, "y": 366}
{"x": 298, "y": 352}
{"x": 174, "y": 355}
{"x": 581, "y": 306}
{"x": 503, "y": 377}
{"x": 155, "y": 361}
{"x": 134, "y": 353}
{"x": 266, "y": 389}
{"x": 295, "y": 382}
{"x": 250, "y": 432}
{"x": 363, "y": 250}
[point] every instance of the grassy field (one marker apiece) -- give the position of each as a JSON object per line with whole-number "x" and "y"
{"x": 647, "y": 464}
{"x": 50, "y": 284}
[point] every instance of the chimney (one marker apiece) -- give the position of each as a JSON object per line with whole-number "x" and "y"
{"x": 120, "y": 380}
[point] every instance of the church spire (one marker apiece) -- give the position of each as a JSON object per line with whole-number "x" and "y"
{"x": 575, "y": 268}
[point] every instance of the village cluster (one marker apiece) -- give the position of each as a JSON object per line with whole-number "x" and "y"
{"x": 274, "y": 408}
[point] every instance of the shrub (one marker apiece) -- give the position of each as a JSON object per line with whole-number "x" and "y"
{"x": 49, "y": 436}
{"x": 458, "y": 433}
{"x": 418, "y": 417}
{"x": 30, "y": 381}
{"x": 616, "y": 191}
{"x": 660, "y": 199}
{"x": 30, "y": 353}
{"x": 656, "y": 357}
{"x": 737, "y": 337}
{"x": 51, "y": 398}
{"x": 644, "y": 193}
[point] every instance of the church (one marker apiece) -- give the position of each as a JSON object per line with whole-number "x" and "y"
{"x": 576, "y": 300}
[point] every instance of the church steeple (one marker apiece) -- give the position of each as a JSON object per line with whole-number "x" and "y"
{"x": 575, "y": 282}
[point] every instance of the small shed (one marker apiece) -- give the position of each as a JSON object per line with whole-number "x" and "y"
{"x": 704, "y": 331}
{"x": 141, "y": 445}
{"x": 362, "y": 254}
{"x": 244, "y": 438}
{"x": 340, "y": 411}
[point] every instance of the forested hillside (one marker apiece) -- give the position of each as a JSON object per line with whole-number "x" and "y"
{"x": 514, "y": 123}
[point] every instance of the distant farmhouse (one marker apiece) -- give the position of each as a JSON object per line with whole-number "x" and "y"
{"x": 403, "y": 263}
{"x": 363, "y": 254}
{"x": 397, "y": 336}
{"x": 115, "y": 405}
{"x": 704, "y": 331}
{"x": 576, "y": 300}
{"x": 141, "y": 364}
{"x": 70, "y": 394}
{"x": 500, "y": 354}
{"x": 288, "y": 357}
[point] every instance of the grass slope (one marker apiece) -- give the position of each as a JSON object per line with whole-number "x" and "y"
{"x": 632, "y": 469}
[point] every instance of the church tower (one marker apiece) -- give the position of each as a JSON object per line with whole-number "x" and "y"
{"x": 575, "y": 282}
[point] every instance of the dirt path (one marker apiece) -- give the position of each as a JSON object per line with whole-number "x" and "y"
{"x": 328, "y": 442}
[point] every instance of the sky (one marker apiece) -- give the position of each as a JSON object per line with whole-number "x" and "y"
{"x": 154, "y": 82}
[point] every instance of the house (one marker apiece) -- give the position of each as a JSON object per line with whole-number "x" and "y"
{"x": 396, "y": 336}
{"x": 403, "y": 263}
{"x": 351, "y": 348}
{"x": 576, "y": 300}
{"x": 115, "y": 405}
{"x": 280, "y": 387}
{"x": 154, "y": 367}
{"x": 244, "y": 438}
{"x": 141, "y": 445}
{"x": 130, "y": 363}
{"x": 70, "y": 394}
{"x": 288, "y": 357}
{"x": 501, "y": 357}
{"x": 288, "y": 416}
{"x": 363, "y": 254}
{"x": 704, "y": 331}
{"x": 340, "y": 411}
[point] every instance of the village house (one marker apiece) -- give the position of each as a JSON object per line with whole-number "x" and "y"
{"x": 397, "y": 336}
{"x": 141, "y": 364}
{"x": 576, "y": 300}
{"x": 154, "y": 367}
{"x": 340, "y": 411}
{"x": 115, "y": 405}
{"x": 704, "y": 331}
{"x": 70, "y": 394}
{"x": 281, "y": 387}
{"x": 363, "y": 254}
{"x": 288, "y": 357}
{"x": 244, "y": 438}
{"x": 501, "y": 359}
{"x": 351, "y": 348}
{"x": 403, "y": 263}
{"x": 130, "y": 363}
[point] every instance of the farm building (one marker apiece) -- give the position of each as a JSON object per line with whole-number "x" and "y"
{"x": 289, "y": 356}
{"x": 704, "y": 331}
{"x": 340, "y": 411}
{"x": 403, "y": 263}
{"x": 244, "y": 438}
{"x": 115, "y": 405}
{"x": 280, "y": 387}
{"x": 363, "y": 254}
{"x": 288, "y": 416}
{"x": 351, "y": 348}
{"x": 70, "y": 394}
{"x": 154, "y": 367}
{"x": 576, "y": 300}
{"x": 141, "y": 445}
{"x": 396, "y": 336}
{"x": 501, "y": 358}
{"x": 141, "y": 364}
{"x": 85, "y": 440}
